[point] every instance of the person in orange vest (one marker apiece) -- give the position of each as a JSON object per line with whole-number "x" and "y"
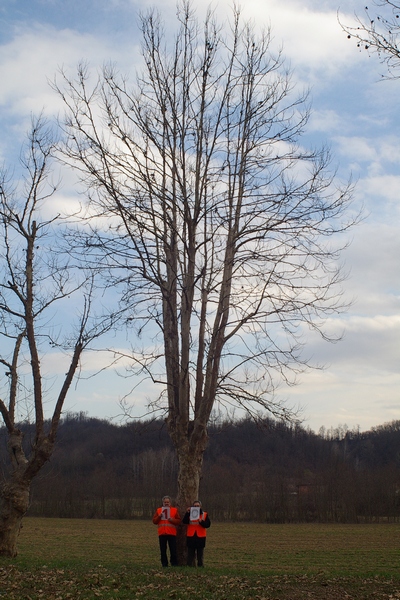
{"x": 167, "y": 518}
{"x": 197, "y": 522}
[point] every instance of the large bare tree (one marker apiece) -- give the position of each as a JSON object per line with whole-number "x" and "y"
{"x": 37, "y": 287}
{"x": 212, "y": 216}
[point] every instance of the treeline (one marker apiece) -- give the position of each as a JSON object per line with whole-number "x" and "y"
{"x": 267, "y": 471}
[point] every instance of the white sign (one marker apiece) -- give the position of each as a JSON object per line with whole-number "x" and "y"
{"x": 195, "y": 513}
{"x": 165, "y": 513}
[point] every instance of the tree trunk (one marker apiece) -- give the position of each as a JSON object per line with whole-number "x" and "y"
{"x": 14, "y": 502}
{"x": 190, "y": 458}
{"x": 15, "y": 490}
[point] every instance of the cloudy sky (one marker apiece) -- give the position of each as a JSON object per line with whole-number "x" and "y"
{"x": 355, "y": 112}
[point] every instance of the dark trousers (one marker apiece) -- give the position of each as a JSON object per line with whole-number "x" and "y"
{"x": 191, "y": 552}
{"x": 169, "y": 540}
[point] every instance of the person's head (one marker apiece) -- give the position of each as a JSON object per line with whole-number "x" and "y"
{"x": 197, "y": 503}
{"x": 166, "y": 501}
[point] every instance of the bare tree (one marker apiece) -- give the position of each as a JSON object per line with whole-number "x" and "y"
{"x": 378, "y": 32}
{"x": 211, "y": 215}
{"x": 34, "y": 280}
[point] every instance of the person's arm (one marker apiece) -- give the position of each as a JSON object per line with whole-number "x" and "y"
{"x": 156, "y": 517}
{"x": 205, "y": 522}
{"x": 186, "y": 518}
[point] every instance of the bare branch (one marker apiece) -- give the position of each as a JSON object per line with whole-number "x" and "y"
{"x": 379, "y": 33}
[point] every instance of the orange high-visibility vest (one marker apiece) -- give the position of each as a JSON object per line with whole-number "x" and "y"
{"x": 166, "y": 527}
{"x": 194, "y": 527}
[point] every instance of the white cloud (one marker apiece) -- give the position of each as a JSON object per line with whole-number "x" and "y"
{"x": 357, "y": 148}
{"x": 91, "y": 361}
{"x": 378, "y": 187}
{"x": 383, "y": 150}
{"x": 327, "y": 121}
{"x": 373, "y": 256}
{"x": 310, "y": 32}
{"x": 35, "y": 55}
{"x": 364, "y": 397}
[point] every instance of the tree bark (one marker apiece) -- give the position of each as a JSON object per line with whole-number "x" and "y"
{"x": 14, "y": 496}
{"x": 15, "y": 490}
{"x": 190, "y": 451}
{"x": 14, "y": 502}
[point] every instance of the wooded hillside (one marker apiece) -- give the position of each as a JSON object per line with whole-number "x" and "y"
{"x": 268, "y": 472}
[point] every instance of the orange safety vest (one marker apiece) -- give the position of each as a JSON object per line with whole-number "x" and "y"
{"x": 166, "y": 527}
{"x": 194, "y": 527}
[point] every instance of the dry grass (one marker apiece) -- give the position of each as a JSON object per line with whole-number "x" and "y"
{"x": 83, "y": 559}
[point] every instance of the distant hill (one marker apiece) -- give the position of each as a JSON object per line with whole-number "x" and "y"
{"x": 268, "y": 471}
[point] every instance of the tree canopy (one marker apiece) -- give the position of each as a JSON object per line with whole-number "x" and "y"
{"x": 212, "y": 215}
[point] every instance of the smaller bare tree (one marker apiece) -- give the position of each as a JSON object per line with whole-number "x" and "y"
{"x": 35, "y": 277}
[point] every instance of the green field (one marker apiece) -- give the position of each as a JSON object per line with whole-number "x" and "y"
{"x": 88, "y": 559}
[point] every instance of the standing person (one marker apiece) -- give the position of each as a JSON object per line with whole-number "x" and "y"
{"x": 167, "y": 518}
{"x": 198, "y": 522}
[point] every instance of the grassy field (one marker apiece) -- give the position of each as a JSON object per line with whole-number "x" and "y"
{"x": 79, "y": 559}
